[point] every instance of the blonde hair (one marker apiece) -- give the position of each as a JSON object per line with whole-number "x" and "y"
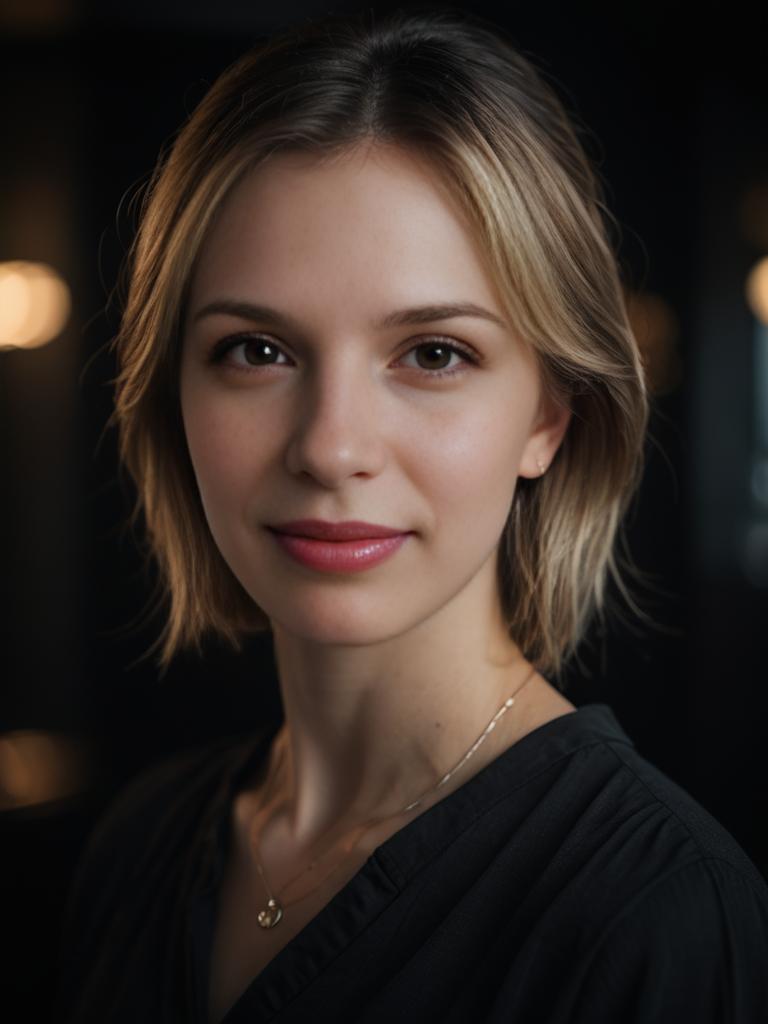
{"x": 454, "y": 88}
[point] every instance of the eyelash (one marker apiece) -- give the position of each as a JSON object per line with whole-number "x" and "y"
{"x": 221, "y": 348}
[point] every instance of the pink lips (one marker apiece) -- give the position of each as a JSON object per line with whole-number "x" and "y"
{"x": 338, "y": 547}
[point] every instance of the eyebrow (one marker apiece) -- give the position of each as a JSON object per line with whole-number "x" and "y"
{"x": 398, "y": 318}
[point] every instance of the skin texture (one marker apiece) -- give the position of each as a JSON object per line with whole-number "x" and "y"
{"x": 388, "y": 675}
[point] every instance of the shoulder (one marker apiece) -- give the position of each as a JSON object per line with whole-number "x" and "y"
{"x": 668, "y": 811}
{"x": 147, "y": 829}
{"x": 674, "y": 913}
{"x": 161, "y": 796}
{"x": 608, "y": 801}
{"x": 691, "y": 945}
{"x": 131, "y": 873}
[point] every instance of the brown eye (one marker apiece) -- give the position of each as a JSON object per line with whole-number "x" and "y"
{"x": 434, "y": 355}
{"x": 433, "y": 358}
{"x": 258, "y": 350}
{"x": 254, "y": 349}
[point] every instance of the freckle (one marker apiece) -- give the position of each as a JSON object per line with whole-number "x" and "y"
{"x": 438, "y": 725}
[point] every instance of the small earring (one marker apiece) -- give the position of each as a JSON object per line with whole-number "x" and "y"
{"x": 542, "y": 466}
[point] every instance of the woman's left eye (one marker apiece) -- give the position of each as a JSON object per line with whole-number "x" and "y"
{"x": 437, "y": 351}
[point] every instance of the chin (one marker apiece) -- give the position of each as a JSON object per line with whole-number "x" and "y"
{"x": 339, "y": 624}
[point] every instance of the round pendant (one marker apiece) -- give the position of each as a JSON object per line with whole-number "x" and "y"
{"x": 268, "y": 918}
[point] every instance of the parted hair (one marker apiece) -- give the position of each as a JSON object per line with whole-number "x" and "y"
{"x": 456, "y": 89}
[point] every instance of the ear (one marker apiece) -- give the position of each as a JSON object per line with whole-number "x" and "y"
{"x": 546, "y": 435}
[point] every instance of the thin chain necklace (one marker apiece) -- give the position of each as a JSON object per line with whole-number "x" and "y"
{"x": 273, "y": 912}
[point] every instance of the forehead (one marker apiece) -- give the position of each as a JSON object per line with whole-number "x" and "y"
{"x": 372, "y": 224}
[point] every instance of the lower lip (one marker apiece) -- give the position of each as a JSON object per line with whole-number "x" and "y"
{"x": 339, "y": 556}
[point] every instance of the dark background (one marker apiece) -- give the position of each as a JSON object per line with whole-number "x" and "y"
{"x": 675, "y": 100}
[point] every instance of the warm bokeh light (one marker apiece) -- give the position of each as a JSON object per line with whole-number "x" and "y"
{"x": 655, "y": 327}
{"x": 37, "y": 767}
{"x": 757, "y": 290}
{"x": 34, "y": 304}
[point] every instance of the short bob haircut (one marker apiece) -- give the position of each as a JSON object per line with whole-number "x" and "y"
{"x": 452, "y": 87}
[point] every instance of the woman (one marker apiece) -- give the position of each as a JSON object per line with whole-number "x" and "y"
{"x": 379, "y": 396}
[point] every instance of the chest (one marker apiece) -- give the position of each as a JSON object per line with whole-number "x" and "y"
{"x": 241, "y": 947}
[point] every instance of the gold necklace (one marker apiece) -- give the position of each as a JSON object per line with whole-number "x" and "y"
{"x": 271, "y": 915}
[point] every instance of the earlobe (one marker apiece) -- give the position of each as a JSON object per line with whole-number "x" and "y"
{"x": 544, "y": 442}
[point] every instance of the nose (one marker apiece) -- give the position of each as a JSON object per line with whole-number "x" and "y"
{"x": 339, "y": 429}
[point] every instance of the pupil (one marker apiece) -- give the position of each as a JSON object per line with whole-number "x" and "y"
{"x": 440, "y": 349}
{"x": 264, "y": 346}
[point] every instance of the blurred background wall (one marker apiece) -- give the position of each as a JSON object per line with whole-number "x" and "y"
{"x": 675, "y": 98}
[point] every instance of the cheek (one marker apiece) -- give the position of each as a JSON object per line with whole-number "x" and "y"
{"x": 225, "y": 449}
{"x": 472, "y": 465}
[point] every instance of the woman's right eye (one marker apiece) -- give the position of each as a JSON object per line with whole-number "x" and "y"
{"x": 259, "y": 350}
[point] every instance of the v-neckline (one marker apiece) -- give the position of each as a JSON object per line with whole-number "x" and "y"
{"x": 381, "y": 877}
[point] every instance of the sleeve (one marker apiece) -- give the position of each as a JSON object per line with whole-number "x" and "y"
{"x": 694, "y": 947}
{"x": 123, "y": 851}
{"x": 99, "y": 875}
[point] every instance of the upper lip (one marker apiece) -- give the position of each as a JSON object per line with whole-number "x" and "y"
{"x": 323, "y": 530}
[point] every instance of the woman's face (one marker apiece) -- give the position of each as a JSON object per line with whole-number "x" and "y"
{"x": 327, "y": 411}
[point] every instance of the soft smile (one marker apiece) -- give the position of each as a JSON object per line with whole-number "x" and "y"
{"x": 337, "y": 547}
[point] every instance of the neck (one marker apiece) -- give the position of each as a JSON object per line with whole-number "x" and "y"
{"x": 370, "y": 728}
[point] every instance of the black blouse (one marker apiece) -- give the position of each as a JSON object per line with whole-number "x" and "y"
{"x": 568, "y": 880}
